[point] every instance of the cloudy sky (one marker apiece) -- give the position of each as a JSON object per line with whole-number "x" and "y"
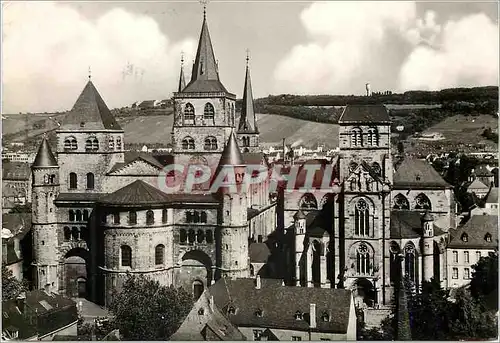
{"x": 134, "y": 48}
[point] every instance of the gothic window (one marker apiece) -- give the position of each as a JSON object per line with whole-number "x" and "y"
{"x": 150, "y": 218}
{"x": 203, "y": 217}
{"x": 118, "y": 143}
{"x": 362, "y": 259}
{"x": 72, "y": 181}
{"x": 191, "y": 236}
{"x": 75, "y": 233}
{"x": 71, "y": 216}
{"x": 189, "y": 114}
{"x": 159, "y": 254}
{"x": 90, "y": 181}
{"x": 111, "y": 143}
{"x": 67, "y": 233}
{"x": 188, "y": 143}
{"x": 356, "y": 137}
{"x": 116, "y": 218}
{"x": 376, "y": 169}
{"x": 308, "y": 201}
{"x": 410, "y": 262}
{"x": 208, "y": 112}
{"x": 126, "y": 253}
{"x": 246, "y": 141}
{"x": 395, "y": 262}
{"x": 210, "y": 143}
{"x": 132, "y": 217}
{"x": 85, "y": 215}
{"x": 401, "y": 203}
{"x": 92, "y": 144}
{"x": 70, "y": 143}
{"x": 362, "y": 218}
{"x": 372, "y": 136}
{"x": 352, "y": 167}
{"x": 164, "y": 215}
{"x": 209, "y": 237}
{"x": 422, "y": 202}
{"x": 200, "y": 236}
{"x": 78, "y": 215}
{"x": 183, "y": 236}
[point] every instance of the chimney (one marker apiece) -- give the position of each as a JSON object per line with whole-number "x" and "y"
{"x": 312, "y": 316}
{"x": 20, "y": 301}
{"x": 257, "y": 283}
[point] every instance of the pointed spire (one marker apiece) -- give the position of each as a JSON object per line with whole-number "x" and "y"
{"x": 44, "y": 156}
{"x": 248, "y": 121}
{"x": 205, "y": 66}
{"x": 231, "y": 156}
{"x": 182, "y": 81}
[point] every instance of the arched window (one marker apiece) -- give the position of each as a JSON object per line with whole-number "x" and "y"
{"x": 356, "y": 137}
{"x": 126, "y": 252}
{"x": 376, "y": 169}
{"x": 159, "y": 254}
{"x": 210, "y": 143}
{"x": 164, "y": 215}
{"x": 191, "y": 236}
{"x": 132, "y": 217}
{"x": 188, "y": 143}
{"x": 188, "y": 114}
{"x": 422, "y": 202}
{"x": 90, "y": 181}
{"x": 78, "y": 215}
{"x": 200, "y": 236}
{"x": 75, "y": 233}
{"x": 308, "y": 201}
{"x": 116, "y": 218}
{"x": 362, "y": 218}
{"x": 92, "y": 144}
{"x": 72, "y": 181}
{"x": 208, "y": 113}
{"x": 362, "y": 260}
{"x": 67, "y": 233}
{"x": 209, "y": 237}
{"x": 196, "y": 216}
{"x": 111, "y": 143}
{"x": 118, "y": 143}
{"x": 71, "y": 216}
{"x": 203, "y": 217}
{"x": 70, "y": 143}
{"x": 85, "y": 215}
{"x": 150, "y": 217}
{"x": 372, "y": 136}
{"x": 401, "y": 203}
{"x": 395, "y": 264}
{"x": 410, "y": 262}
{"x": 183, "y": 236}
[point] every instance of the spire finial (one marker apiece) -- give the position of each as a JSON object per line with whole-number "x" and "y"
{"x": 90, "y": 73}
{"x": 182, "y": 58}
{"x": 204, "y": 3}
{"x": 248, "y": 56}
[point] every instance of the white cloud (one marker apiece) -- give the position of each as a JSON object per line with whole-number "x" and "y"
{"x": 467, "y": 55}
{"x": 48, "y": 47}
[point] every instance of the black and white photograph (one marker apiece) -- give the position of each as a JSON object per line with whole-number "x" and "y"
{"x": 217, "y": 170}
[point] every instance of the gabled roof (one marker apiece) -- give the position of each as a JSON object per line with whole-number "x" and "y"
{"x": 132, "y": 156}
{"x": 418, "y": 174}
{"x": 231, "y": 155}
{"x": 492, "y": 196}
{"x": 248, "y": 122}
{"x": 408, "y": 224}
{"x": 137, "y": 193}
{"x": 279, "y": 305}
{"x": 476, "y": 184}
{"x": 476, "y": 228}
{"x": 90, "y": 113}
{"x": 44, "y": 157}
{"x": 365, "y": 114}
{"x": 482, "y": 170}
{"x": 258, "y": 252}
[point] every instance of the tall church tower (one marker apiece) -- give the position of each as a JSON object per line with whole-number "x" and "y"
{"x": 248, "y": 133}
{"x": 45, "y": 187}
{"x": 366, "y": 178}
{"x": 204, "y": 111}
{"x": 234, "y": 231}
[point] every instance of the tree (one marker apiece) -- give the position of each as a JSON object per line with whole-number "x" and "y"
{"x": 11, "y": 287}
{"x": 144, "y": 310}
{"x": 484, "y": 282}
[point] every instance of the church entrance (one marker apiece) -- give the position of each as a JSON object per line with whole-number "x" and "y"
{"x": 82, "y": 287}
{"x": 76, "y": 273}
{"x": 196, "y": 272}
{"x": 364, "y": 293}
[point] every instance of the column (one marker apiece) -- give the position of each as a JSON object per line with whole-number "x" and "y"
{"x": 309, "y": 262}
{"x": 420, "y": 272}
{"x": 297, "y": 269}
{"x": 323, "y": 272}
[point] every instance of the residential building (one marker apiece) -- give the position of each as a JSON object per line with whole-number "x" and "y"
{"x": 16, "y": 243}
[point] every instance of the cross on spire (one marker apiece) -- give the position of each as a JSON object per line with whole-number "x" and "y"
{"x": 90, "y": 73}
{"x": 248, "y": 55}
{"x": 182, "y": 58}
{"x": 204, "y": 3}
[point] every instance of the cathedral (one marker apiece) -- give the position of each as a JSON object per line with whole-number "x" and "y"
{"x": 100, "y": 212}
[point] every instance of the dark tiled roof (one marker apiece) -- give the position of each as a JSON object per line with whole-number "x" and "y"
{"x": 52, "y": 312}
{"x": 248, "y": 122}
{"x": 45, "y": 157}
{"x": 258, "y": 252}
{"x": 231, "y": 155}
{"x": 164, "y": 159}
{"x": 92, "y": 197}
{"x": 280, "y": 303}
{"x": 418, "y": 174}
{"x": 476, "y": 228}
{"x": 90, "y": 110}
{"x": 15, "y": 171}
{"x": 201, "y": 86}
{"x": 220, "y": 328}
{"x": 408, "y": 224}
{"x": 205, "y": 65}
{"x": 482, "y": 170}
{"x": 476, "y": 184}
{"x": 131, "y": 156}
{"x": 136, "y": 193}
{"x": 17, "y": 223}
{"x": 252, "y": 212}
{"x": 492, "y": 196}
{"x": 365, "y": 114}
